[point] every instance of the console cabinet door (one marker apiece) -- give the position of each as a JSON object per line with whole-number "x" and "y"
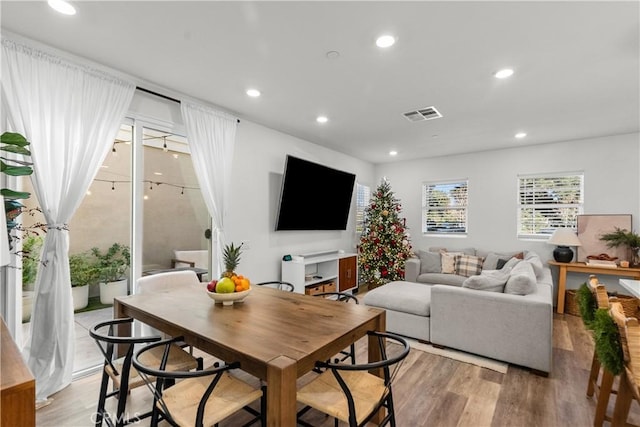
{"x": 347, "y": 273}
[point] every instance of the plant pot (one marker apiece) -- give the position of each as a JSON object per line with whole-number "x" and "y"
{"x": 80, "y": 295}
{"x": 27, "y": 305}
{"x": 108, "y": 291}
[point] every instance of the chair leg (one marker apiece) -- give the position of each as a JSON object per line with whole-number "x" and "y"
{"x": 391, "y": 410}
{"x": 593, "y": 375}
{"x": 623, "y": 403}
{"x": 603, "y": 398}
{"x": 353, "y": 354}
{"x": 102, "y": 398}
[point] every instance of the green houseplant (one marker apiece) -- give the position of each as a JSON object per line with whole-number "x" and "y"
{"x": 82, "y": 273}
{"x": 622, "y": 237}
{"x": 16, "y": 144}
{"x": 112, "y": 266}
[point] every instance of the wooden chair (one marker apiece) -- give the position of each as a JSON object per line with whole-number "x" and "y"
{"x": 629, "y": 388}
{"x": 277, "y": 284}
{"x": 344, "y": 297}
{"x": 198, "y": 398}
{"x": 119, "y": 370}
{"x": 352, "y": 394}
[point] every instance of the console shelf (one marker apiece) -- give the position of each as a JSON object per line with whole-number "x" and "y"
{"x": 307, "y": 271}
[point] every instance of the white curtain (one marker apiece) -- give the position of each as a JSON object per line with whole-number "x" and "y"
{"x": 71, "y": 115}
{"x": 211, "y": 135}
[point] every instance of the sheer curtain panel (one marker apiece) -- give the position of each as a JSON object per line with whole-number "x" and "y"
{"x": 211, "y": 135}
{"x": 71, "y": 114}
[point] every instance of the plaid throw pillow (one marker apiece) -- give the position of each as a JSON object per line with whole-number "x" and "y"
{"x": 468, "y": 265}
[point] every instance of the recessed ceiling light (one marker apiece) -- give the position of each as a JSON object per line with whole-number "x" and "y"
{"x": 104, "y": 167}
{"x": 146, "y": 197}
{"x": 504, "y": 73}
{"x": 385, "y": 41}
{"x": 88, "y": 192}
{"x": 175, "y": 156}
{"x": 254, "y": 93}
{"x": 322, "y": 119}
{"x": 520, "y": 135}
{"x": 393, "y": 153}
{"x": 62, "y": 6}
{"x": 157, "y": 173}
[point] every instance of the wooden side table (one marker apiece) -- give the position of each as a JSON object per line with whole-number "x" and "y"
{"x": 581, "y": 267}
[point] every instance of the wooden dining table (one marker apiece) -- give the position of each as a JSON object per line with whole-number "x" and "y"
{"x": 276, "y": 336}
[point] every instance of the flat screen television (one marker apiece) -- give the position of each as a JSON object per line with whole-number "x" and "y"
{"x": 314, "y": 197}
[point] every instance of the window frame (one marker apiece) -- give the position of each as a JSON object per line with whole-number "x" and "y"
{"x": 361, "y": 208}
{"x": 464, "y": 208}
{"x": 566, "y": 223}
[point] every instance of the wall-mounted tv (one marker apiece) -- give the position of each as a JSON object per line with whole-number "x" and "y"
{"x": 314, "y": 197}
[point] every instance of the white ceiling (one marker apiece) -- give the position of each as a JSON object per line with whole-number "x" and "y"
{"x": 576, "y": 66}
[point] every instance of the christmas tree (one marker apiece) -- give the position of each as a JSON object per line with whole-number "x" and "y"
{"x": 384, "y": 245}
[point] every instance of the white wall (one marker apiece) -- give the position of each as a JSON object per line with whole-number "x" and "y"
{"x": 612, "y": 186}
{"x": 258, "y": 165}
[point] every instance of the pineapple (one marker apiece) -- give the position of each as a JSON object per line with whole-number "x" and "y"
{"x": 231, "y": 255}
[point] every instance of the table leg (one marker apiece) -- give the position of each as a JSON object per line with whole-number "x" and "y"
{"x": 281, "y": 392}
{"x": 562, "y": 282}
{"x": 123, "y": 330}
{"x": 374, "y": 356}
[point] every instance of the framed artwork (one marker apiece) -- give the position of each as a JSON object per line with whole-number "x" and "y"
{"x": 591, "y": 227}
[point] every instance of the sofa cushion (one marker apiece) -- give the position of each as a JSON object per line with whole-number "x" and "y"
{"x": 488, "y": 280}
{"x": 535, "y": 261}
{"x": 511, "y": 262}
{"x": 405, "y": 297}
{"x": 449, "y": 262}
{"x": 468, "y": 265}
{"x": 429, "y": 262}
{"x": 522, "y": 280}
{"x": 441, "y": 279}
{"x": 492, "y": 258}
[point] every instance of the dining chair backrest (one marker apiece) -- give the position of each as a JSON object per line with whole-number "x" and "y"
{"x": 194, "y": 400}
{"x": 361, "y": 388}
{"x": 338, "y": 296}
{"x": 277, "y": 284}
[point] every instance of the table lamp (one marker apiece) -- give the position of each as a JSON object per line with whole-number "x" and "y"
{"x": 563, "y": 238}
{"x": 4, "y": 238}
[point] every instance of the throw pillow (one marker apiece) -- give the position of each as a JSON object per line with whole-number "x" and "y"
{"x": 535, "y": 262}
{"x": 488, "y": 280}
{"x": 522, "y": 280}
{"x": 510, "y": 263}
{"x": 468, "y": 265}
{"x": 449, "y": 262}
{"x": 429, "y": 262}
{"x": 492, "y": 259}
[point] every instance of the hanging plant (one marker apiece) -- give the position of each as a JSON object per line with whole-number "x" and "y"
{"x": 17, "y": 144}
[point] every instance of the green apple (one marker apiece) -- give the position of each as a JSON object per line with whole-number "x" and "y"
{"x": 225, "y": 286}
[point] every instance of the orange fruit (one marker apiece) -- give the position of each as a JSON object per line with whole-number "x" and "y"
{"x": 244, "y": 284}
{"x": 239, "y": 288}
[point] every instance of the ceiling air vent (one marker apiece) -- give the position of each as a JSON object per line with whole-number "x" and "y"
{"x": 426, "y": 113}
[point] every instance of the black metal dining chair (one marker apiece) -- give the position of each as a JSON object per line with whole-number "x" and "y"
{"x": 348, "y": 298}
{"x": 197, "y": 398}
{"x": 119, "y": 371}
{"x": 277, "y": 284}
{"x": 352, "y": 394}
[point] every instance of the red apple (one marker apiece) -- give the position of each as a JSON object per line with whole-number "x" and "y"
{"x": 211, "y": 286}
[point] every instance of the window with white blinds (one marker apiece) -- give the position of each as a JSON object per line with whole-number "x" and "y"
{"x": 444, "y": 207}
{"x": 363, "y": 196}
{"x": 547, "y": 202}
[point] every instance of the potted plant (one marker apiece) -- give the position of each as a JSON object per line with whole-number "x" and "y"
{"x": 112, "y": 267}
{"x": 622, "y": 237}
{"x": 82, "y": 273}
{"x": 31, "y": 248}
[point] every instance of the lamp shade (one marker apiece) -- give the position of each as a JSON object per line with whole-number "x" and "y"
{"x": 564, "y": 237}
{"x": 4, "y": 237}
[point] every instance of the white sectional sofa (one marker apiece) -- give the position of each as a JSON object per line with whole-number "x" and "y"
{"x": 514, "y": 328}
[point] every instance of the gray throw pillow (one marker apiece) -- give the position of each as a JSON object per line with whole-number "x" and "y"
{"x": 488, "y": 280}
{"x": 511, "y": 262}
{"x": 429, "y": 262}
{"x": 493, "y": 259}
{"x": 522, "y": 280}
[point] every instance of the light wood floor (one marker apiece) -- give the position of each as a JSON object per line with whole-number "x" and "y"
{"x": 429, "y": 391}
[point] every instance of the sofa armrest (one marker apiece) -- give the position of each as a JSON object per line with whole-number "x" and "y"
{"x": 412, "y": 270}
{"x": 513, "y": 328}
{"x": 175, "y": 261}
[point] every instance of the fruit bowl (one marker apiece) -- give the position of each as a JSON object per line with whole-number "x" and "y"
{"x": 229, "y": 298}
